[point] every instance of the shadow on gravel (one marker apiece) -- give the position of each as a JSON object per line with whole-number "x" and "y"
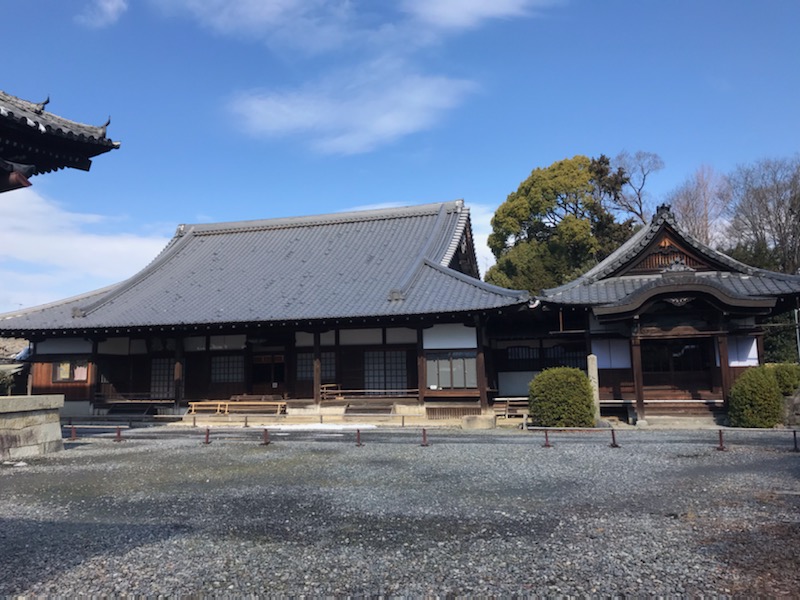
{"x": 35, "y": 551}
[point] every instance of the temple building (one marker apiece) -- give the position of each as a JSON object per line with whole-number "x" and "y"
{"x": 384, "y": 310}
{"x": 384, "y": 307}
{"x": 671, "y": 321}
{"x": 34, "y": 141}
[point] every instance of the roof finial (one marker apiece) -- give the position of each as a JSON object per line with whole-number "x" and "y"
{"x": 40, "y": 106}
{"x": 105, "y": 125}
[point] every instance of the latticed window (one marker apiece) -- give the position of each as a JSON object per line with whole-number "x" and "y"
{"x": 162, "y": 378}
{"x": 566, "y": 355}
{"x": 521, "y": 358}
{"x": 227, "y": 369}
{"x": 305, "y": 366}
{"x": 385, "y": 370}
{"x": 456, "y": 369}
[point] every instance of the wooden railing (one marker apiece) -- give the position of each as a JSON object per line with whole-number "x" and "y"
{"x": 333, "y": 391}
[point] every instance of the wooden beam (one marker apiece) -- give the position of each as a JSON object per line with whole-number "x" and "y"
{"x": 317, "y": 368}
{"x": 724, "y": 366}
{"x": 638, "y": 377}
{"x": 480, "y": 366}
{"x": 422, "y": 368}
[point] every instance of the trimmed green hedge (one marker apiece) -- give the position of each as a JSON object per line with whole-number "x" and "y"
{"x": 788, "y": 377}
{"x": 755, "y": 399}
{"x": 561, "y": 397}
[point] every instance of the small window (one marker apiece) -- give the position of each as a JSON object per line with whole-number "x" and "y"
{"x": 71, "y": 370}
{"x": 452, "y": 370}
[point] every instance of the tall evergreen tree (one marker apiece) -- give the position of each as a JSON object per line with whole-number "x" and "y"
{"x": 557, "y": 224}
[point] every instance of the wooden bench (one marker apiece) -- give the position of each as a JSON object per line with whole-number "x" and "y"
{"x": 511, "y": 407}
{"x": 243, "y": 403}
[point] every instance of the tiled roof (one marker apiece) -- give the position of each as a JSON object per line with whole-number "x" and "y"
{"x": 388, "y": 262}
{"x": 24, "y": 125}
{"x": 601, "y": 287}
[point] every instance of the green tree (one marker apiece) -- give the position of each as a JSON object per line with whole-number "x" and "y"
{"x": 557, "y": 224}
{"x": 780, "y": 341}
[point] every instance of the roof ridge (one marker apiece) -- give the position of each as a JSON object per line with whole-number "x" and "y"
{"x": 179, "y": 240}
{"x": 64, "y": 301}
{"x": 324, "y": 219}
{"x": 458, "y": 233}
{"x": 478, "y": 283}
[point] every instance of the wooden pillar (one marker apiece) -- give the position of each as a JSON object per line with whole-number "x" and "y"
{"x": 180, "y": 368}
{"x": 724, "y": 366}
{"x": 638, "y": 378}
{"x": 480, "y": 366}
{"x": 317, "y": 368}
{"x": 422, "y": 367}
{"x": 94, "y": 379}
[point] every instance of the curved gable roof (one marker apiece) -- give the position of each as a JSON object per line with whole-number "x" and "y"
{"x": 359, "y": 264}
{"x": 611, "y": 285}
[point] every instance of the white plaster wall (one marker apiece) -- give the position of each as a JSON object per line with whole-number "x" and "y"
{"x": 742, "y": 352}
{"x": 65, "y": 346}
{"x": 612, "y": 353}
{"x": 119, "y": 346}
{"x": 227, "y": 342}
{"x": 361, "y": 337}
{"x": 401, "y": 335}
{"x": 304, "y": 339}
{"x": 449, "y": 336}
{"x": 514, "y": 383}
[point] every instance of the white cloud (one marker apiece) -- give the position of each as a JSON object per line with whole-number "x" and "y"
{"x": 310, "y": 25}
{"x": 49, "y": 253}
{"x": 367, "y": 103}
{"x": 467, "y": 14}
{"x": 355, "y": 110}
{"x": 102, "y": 13}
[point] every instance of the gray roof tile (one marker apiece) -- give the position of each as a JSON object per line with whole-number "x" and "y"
{"x": 599, "y": 286}
{"x": 359, "y": 264}
{"x": 33, "y": 115}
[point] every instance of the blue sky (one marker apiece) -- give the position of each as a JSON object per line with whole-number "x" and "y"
{"x": 247, "y": 109}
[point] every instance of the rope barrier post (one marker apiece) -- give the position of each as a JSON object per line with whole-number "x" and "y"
{"x": 266, "y": 437}
{"x": 796, "y": 449}
{"x": 358, "y": 438}
{"x": 424, "y": 438}
{"x": 118, "y": 437}
{"x": 208, "y": 436}
{"x": 613, "y": 443}
{"x": 245, "y": 421}
{"x": 73, "y": 434}
{"x": 721, "y": 446}
{"x": 546, "y": 440}
{"x": 194, "y": 421}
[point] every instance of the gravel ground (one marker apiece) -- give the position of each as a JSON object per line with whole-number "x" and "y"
{"x": 479, "y": 513}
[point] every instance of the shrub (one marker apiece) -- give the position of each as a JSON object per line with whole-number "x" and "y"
{"x": 788, "y": 377}
{"x": 755, "y": 399}
{"x": 6, "y": 382}
{"x": 561, "y": 397}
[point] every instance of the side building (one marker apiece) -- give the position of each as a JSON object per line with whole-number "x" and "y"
{"x": 383, "y": 307}
{"x": 671, "y": 321}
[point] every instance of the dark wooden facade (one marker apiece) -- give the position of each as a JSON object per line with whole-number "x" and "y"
{"x": 425, "y": 361}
